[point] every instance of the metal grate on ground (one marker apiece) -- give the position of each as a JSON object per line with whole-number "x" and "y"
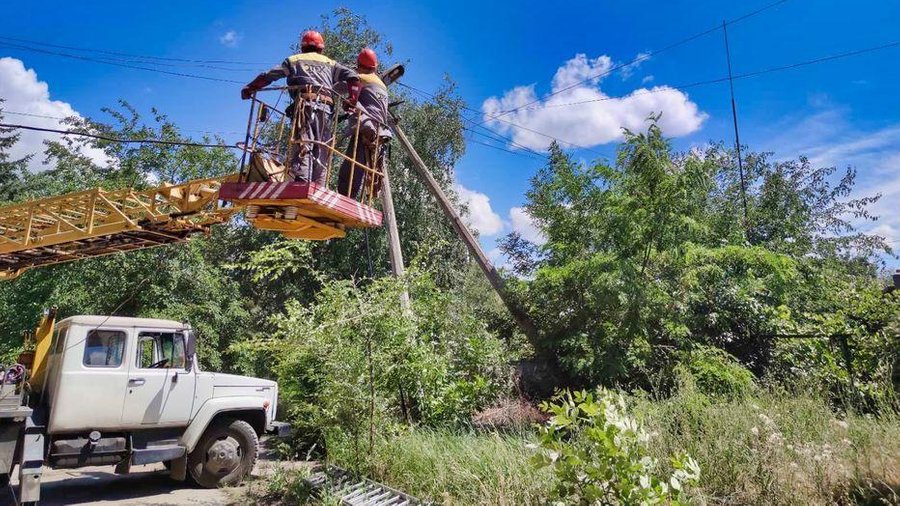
{"x": 353, "y": 490}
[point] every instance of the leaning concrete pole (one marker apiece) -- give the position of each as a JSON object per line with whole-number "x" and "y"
{"x": 394, "y": 251}
{"x": 468, "y": 239}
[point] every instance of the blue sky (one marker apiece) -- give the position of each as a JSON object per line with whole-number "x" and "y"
{"x": 842, "y": 112}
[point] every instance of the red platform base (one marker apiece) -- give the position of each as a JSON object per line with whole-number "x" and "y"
{"x": 320, "y": 212}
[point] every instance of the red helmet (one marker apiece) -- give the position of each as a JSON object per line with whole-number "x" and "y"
{"x": 367, "y": 59}
{"x": 312, "y": 38}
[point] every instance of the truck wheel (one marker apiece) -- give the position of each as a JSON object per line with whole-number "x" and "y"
{"x": 225, "y": 454}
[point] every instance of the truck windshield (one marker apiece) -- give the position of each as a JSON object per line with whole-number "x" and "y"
{"x": 161, "y": 350}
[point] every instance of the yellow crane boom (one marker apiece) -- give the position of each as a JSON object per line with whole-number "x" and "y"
{"x": 97, "y": 222}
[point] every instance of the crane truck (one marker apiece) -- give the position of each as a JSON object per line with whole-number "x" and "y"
{"x": 120, "y": 391}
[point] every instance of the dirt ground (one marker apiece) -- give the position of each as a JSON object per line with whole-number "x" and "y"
{"x": 147, "y": 485}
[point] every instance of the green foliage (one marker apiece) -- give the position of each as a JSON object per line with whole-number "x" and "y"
{"x": 354, "y": 363}
{"x": 599, "y": 454}
{"x": 652, "y": 254}
{"x": 11, "y": 171}
{"x": 718, "y": 374}
{"x": 862, "y": 375}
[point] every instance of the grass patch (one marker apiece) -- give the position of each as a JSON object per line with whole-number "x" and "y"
{"x": 778, "y": 449}
{"x": 769, "y": 448}
{"x": 461, "y": 468}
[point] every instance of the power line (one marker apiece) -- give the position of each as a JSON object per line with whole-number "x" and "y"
{"x": 129, "y": 55}
{"x": 737, "y": 137}
{"x": 116, "y": 140}
{"x": 209, "y": 78}
{"x": 61, "y": 118}
{"x": 480, "y": 125}
{"x": 500, "y": 138}
{"x": 642, "y": 57}
{"x": 119, "y": 64}
{"x": 501, "y": 148}
{"x": 745, "y": 75}
{"x": 154, "y": 141}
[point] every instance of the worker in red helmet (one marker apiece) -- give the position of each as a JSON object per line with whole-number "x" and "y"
{"x": 314, "y": 80}
{"x": 367, "y": 129}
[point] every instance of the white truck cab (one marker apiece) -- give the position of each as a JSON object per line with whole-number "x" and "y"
{"x": 128, "y": 391}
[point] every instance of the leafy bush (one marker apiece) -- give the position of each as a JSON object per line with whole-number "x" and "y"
{"x": 599, "y": 454}
{"x": 855, "y": 360}
{"x": 718, "y": 374}
{"x": 354, "y": 363}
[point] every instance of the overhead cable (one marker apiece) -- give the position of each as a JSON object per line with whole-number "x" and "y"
{"x": 115, "y": 139}
{"x": 639, "y": 59}
{"x": 118, "y": 64}
{"x": 745, "y": 75}
{"x": 129, "y": 55}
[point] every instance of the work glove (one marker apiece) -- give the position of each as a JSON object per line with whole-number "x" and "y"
{"x": 354, "y": 87}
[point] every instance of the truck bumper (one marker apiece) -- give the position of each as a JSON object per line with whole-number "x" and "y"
{"x": 279, "y": 429}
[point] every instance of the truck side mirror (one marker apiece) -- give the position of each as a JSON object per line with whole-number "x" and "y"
{"x": 190, "y": 348}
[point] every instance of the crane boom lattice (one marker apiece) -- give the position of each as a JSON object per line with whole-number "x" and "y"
{"x": 97, "y": 222}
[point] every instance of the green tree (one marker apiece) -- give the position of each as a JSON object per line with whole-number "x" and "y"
{"x": 11, "y": 171}
{"x": 652, "y": 254}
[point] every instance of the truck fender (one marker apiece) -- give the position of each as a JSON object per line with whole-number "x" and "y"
{"x": 213, "y": 407}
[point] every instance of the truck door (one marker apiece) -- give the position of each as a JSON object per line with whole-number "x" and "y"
{"x": 160, "y": 387}
{"x": 87, "y": 384}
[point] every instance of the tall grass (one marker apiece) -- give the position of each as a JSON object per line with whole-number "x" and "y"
{"x": 769, "y": 448}
{"x": 775, "y": 448}
{"x": 461, "y": 468}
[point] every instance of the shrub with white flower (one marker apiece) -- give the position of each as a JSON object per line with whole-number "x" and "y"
{"x": 598, "y": 454}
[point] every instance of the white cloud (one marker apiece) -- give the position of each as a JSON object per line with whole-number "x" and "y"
{"x": 481, "y": 216}
{"x": 524, "y": 224}
{"x": 597, "y": 118}
{"x": 579, "y": 69}
{"x": 628, "y": 70}
{"x": 890, "y": 233}
{"x": 647, "y": 79}
{"x": 24, "y": 93}
{"x": 230, "y": 38}
{"x": 828, "y": 138}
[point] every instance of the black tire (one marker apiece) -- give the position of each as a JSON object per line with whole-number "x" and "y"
{"x": 225, "y": 454}
{"x": 4, "y": 479}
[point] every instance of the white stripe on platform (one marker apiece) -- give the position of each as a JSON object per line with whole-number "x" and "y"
{"x": 261, "y": 188}
{"x": 273, "y": 188}
{"x": 245, "y": 191}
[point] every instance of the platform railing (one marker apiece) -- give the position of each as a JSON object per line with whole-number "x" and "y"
{"x": 274, "y": 133}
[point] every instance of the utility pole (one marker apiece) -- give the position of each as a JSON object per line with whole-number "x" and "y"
{"x": 394, "y": 251}
{"x": 737, "y": 137}
{"x": 521, "y": 318}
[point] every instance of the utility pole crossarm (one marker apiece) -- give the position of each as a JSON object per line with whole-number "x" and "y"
{"x": 522, "y": 319}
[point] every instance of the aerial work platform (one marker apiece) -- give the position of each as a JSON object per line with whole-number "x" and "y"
{"x": 272, "y": 200}
{"x": 299, "y": 210}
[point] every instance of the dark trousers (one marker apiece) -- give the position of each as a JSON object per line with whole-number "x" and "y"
{"x": 363, "y": 152}
{"x": 309, "y": 160}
